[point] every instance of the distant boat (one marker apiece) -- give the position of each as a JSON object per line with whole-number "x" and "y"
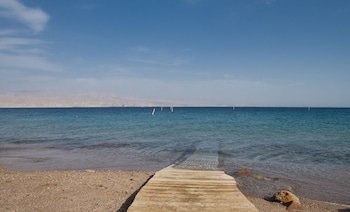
{"x": 233, "y": 108}
{"x": 153, "y": 111}
{"x": 172, "y": 109}
{"x": 309, "y": 109}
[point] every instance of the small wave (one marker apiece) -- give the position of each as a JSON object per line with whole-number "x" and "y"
{"x": 27, "y": 141}
{"x": 105, "y": 145}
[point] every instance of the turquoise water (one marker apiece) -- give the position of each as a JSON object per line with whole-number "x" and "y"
{"x": 284, "y": 143}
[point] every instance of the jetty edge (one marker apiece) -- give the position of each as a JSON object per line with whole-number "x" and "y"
{"x": 179, "y": 189}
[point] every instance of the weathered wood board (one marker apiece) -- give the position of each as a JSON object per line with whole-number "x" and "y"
{"x": 174, "y": 189}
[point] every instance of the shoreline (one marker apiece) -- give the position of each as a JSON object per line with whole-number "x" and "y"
{"x": 98, "y": 190}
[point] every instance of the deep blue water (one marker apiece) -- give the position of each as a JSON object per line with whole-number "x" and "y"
{"x": 284, "y": 141}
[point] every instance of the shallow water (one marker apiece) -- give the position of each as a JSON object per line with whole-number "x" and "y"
{"x": 284, "y": 147}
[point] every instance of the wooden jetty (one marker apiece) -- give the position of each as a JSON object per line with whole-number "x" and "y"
{"x": 178, "y": 189}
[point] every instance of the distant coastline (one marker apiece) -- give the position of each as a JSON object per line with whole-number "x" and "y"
{"x": 81, "y": 100}
{"x": 55, "y": 100}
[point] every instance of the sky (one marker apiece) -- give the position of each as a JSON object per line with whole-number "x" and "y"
{"x": 200, "y": 52}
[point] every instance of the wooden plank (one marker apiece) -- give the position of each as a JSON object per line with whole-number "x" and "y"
{"x": 174, "y": 189}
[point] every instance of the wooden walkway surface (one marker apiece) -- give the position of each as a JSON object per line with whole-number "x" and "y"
{"x": 176, "y": 189}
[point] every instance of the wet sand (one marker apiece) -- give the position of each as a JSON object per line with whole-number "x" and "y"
{"x": 91, "y": 190}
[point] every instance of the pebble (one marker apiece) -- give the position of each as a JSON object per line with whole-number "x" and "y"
{"x": 244, "y": 171}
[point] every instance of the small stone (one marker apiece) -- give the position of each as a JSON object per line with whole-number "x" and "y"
{"x": 244, "y": 171}
{"x": 90, "y": 170}
{"x": 288, "y": 199}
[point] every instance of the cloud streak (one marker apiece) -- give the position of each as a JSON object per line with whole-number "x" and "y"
{"x": 6, "y": 32}
{"x": 22, "y": 53}
{"x": 30, "y": 62}
{"x": 15, "y": 44}
{"x": 34, "y": 18}
{"x": 156, "y": 57}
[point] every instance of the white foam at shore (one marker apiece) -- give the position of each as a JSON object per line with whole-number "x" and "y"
{"x": 332, "y": 203}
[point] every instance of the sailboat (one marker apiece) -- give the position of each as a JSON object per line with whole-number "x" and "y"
{"x": 153, "y": 111}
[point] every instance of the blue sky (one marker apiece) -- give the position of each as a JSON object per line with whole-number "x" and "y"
{"x": 202, "y": 52}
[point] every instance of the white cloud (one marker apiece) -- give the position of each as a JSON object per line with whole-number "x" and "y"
{"x": 28, "y": 62}
{"x": 11, "y": 44}
{"x": 4, "y": 32}
{"x": 34, "y": 18}
{"x": 22, "y": 53}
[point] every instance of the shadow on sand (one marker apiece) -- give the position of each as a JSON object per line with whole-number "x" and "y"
{"x": 128, "y": 202}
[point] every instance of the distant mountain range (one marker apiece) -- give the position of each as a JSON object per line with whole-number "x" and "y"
{"x": 45, "y": 99}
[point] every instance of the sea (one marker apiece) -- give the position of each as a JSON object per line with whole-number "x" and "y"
{"x": 304, "y": 150}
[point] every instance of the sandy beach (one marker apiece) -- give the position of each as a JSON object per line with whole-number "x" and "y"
{"x": 91, "y": 190}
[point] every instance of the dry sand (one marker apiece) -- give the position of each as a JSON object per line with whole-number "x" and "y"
{"x": 91, "y": 190}
{"x": 68, "y": 190}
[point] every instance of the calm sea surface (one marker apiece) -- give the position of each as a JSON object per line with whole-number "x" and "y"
{"x": 284, "y": 147}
